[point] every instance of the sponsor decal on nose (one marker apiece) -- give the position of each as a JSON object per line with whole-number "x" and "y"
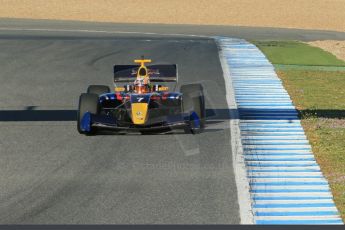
{"x": 139, "y": 113}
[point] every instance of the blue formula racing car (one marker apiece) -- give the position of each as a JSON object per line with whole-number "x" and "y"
{"x": 143, "y": 103}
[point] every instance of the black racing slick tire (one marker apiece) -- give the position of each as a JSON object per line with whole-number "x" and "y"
{"x": 98, "y": 89}
{"x": 88, "y": 102}
{"x": 193, "y": 102}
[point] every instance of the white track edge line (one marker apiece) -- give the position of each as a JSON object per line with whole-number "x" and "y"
{"x": 242, "y": 182}
{"x": 99, "y": 31}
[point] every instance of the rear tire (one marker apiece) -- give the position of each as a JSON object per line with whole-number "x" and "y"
{"x": 88, "y": 102}
{"x": 98, "y": 89}
{"x": 193, "y": 102}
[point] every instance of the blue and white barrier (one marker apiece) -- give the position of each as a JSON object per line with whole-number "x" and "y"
{"x": 285, "y": 182}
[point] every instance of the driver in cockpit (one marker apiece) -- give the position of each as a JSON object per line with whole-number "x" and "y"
{"x": 142, "y": 83}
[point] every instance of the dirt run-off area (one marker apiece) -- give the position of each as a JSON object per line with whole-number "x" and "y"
{"x": 335, "y": 47}
{"x": 303, "y": 14}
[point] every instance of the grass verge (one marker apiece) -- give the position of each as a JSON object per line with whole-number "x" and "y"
{"x": 297, "y": 53}
{"x": 319, "y": 95}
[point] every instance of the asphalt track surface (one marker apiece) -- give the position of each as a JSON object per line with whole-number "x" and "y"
{"x": 51, "y": 174}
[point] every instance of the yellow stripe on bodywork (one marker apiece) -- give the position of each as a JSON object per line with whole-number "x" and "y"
{"x": 119, "y": 89}
{"x": 163, "y": 88}
{"x": 139, "y": 113}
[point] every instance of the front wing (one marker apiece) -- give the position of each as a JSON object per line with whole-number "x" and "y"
{"x": 91, "y": 121}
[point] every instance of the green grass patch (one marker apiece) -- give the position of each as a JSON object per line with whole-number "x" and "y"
{"x": 315, "y": 89}
{"x": 297, "y": 53}
{"x": 320, "y": 97}
{"x": 308, "y": 67}
{"x": 327, "y": 139}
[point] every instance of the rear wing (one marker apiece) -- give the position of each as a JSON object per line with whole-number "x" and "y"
{"x": 157, "y": 73}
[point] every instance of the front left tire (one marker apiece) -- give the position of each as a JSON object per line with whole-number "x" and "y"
{"x": 98, "y": 89}
{"x": 193, "y": 102}
{"x": 88, "y": 102}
